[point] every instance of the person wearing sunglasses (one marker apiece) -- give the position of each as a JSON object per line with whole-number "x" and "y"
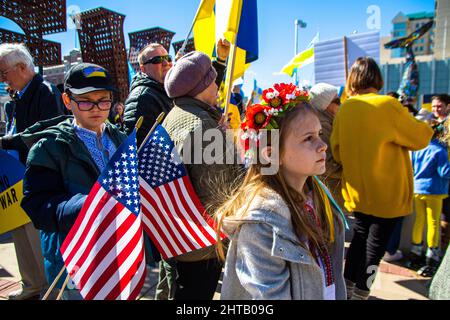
{"x": 324, "y": 98}
{"x": 67, "y": 156}
{"x": 147, "y": 95}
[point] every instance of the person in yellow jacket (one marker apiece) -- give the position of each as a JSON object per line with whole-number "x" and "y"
{"x": 371, "y": 138}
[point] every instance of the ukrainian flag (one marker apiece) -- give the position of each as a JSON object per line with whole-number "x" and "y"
{"x": 235, "y": 20}
{"x": 302, "y": 59}
{"x": 91, "y": 72}
{"x": 205, "y": 28}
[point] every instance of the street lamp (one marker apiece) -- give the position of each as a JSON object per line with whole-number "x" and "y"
{"x": 298, "y": 24}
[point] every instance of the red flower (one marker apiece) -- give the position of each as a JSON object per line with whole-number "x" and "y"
{"x": 272, "y": 98}
{"x": 257, "y": 117}
{"x": 284, "y": 90}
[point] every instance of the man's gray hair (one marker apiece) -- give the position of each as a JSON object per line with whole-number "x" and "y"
{"x": 142, "y": 57}
{"x": 14, "y": 53}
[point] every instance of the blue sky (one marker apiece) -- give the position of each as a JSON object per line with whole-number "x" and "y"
{"x": 333, "y": 19}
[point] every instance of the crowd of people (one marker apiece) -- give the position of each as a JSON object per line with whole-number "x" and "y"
{"x": 370, "y": 158}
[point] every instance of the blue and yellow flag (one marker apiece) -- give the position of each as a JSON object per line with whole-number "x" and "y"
{"x": 205, "y": 28}
{"x": 12, "y": 172}
{"x": 237, "y": 21}
{"x": 302, "y": 59}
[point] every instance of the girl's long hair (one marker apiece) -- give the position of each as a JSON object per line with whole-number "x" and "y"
{"x": 256, "y": 184}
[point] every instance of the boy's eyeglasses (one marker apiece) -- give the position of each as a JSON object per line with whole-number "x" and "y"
{"x": 158, "y": 60}
{"x": 89, "y": 105}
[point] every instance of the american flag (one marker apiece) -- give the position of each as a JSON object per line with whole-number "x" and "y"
{"x": 173, "y": 216}
{"x": 104, "y": 251}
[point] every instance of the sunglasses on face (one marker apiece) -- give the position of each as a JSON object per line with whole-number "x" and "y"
{"x": 159, "y": 59}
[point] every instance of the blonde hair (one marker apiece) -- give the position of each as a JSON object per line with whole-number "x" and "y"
{"x": 255, "y": 183}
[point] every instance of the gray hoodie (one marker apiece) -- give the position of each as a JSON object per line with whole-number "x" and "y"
{"x": 265, "y": 259}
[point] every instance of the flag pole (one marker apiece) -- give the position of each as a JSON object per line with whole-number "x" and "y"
{"x": 229, "y": 78}
{"x": 183, "y": 47}
{"x": 158, "y": 121}
{"x": 63, "y": 288}
{"x": 54, "y": 283}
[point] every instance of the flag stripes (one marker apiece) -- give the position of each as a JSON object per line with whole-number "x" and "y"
{"x": 106, "y": 249}
{"x": 172, "y": 219}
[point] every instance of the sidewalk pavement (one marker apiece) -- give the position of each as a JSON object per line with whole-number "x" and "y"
{"x": 393, "y": 282}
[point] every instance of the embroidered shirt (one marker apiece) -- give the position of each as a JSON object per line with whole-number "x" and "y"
{"x": 323, "y": 258}
{"x": 101, "y": 148}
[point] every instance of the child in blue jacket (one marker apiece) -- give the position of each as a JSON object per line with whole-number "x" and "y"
{"x": 431, "y": 182}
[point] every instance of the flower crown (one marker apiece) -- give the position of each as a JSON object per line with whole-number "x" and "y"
{"x": 276, "y": 102}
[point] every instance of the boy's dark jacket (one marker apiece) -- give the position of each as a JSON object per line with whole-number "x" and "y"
{"x": 60, "y": 174}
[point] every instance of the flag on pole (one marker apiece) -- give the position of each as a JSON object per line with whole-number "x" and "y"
{"x": 237, "y": 21}
{"x": 304, "y": 58}
{"x": 172, "y": 214}
{"x": 104, "y": 251}
{"x": 205, "y": 28}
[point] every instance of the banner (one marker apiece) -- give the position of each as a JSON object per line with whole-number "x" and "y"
{"x": 331, "y": 56}
{"x": 12, "y": 172}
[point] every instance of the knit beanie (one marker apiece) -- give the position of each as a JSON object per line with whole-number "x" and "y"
{"x": 322, "y": 94}
{"x": 191, "y": 75}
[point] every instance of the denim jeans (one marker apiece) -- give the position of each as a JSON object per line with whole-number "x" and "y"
{"x": 394, "y": 242}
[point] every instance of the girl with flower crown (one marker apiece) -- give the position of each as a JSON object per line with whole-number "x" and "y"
{"x": 287, "y": 237}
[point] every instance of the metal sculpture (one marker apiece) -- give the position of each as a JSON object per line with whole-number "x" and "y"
{"x": 190, "y": 46}
{"x": 409, "y": 87}
{"x": 140, "y": 39}
{"x": 102, "y": 42}
{"x": 36, "y": 18}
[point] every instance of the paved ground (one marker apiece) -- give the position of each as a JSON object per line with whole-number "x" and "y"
{"x": 392, "y": 283}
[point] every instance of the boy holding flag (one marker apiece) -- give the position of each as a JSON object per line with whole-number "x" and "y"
{"x": 67, "y": 157}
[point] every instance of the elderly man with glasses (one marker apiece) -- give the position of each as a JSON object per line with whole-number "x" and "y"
{"x": 35, "y": 100}
{"x": 147, "y": 95}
